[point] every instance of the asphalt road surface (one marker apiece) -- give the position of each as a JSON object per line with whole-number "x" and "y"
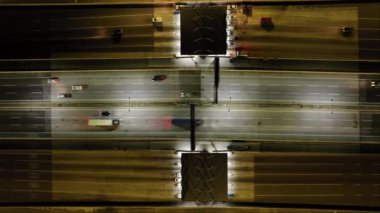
{"x": 219, "y": 123}
{"x": 235, "y": 86}
{"x": 299, "y": 32}
{"x": 196, "y": 85}
{"x": 337, "y": 179}
{"x": 25, "y": 124}
{"x": 24, "y": 88}
{"x": 326, "y": 179}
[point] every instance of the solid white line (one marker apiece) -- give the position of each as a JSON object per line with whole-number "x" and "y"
{"x": 96, "y": 17}
{"x": 9, "y": 85}
{"x": 300, "y": 195}
{"x": 300, "y": 184}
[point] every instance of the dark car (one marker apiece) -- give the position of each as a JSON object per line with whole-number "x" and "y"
{"x": 159, "y": 78}
{"x": 105, "y": 113}
{"x": 347, "y": 31}
{"x": 116, "y": 34}
{"x": 267, "y": 23}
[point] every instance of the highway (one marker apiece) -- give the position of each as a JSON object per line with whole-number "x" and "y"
{"x": 219, "y": 123}
{"x": 311, "y": 135}
{"x": 299, "y": 32}
{"x": 241, "y": 86}
{"x": 296, "y": 178}
{"x": 24, "y": 88}
{"x": 128, "y": 90}
{"x": 236, "y": 86}
{"x": 340, "y": 179}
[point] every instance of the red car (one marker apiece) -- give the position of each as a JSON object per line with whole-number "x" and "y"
{"x": 266, "y": 23}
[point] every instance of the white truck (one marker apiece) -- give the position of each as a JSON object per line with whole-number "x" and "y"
{"x": 103, "y": 122}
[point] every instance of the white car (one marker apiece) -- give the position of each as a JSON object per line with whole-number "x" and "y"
{"x": 375, "y": 83}
{"x": 157, "y": 21}
{"x": 65, "y": 95}
{"x": 53, "y": 80}
{"x": 78, "y": 87}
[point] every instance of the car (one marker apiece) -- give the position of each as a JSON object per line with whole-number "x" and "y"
{"x": 157, "y": 21}
{"x": 267, "y": 23}
{"x": 188, "y": 94}
{"x": 347, "y": 31}
{"x": 375, "y": 83}
{"x": 105, "y": 113}
{"x": 53, "y": 80}
{"x": 233, "y": 147}
{"x": 64, "y": 95}
{"x": 159, "y": 78}
{"x": 117, "y": 34}
{"x": 78, "y": 87}
{"x": 241, "y": 54}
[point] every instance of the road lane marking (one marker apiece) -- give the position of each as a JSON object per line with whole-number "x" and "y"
{"x": 334, "y": 94}
{"x": 9, "y": 85}
{"x": 11, "y": 93}
{"x": 300, "y": 195}
{"x": 98, "y": 17}
{"x": 300, "y": 184}
{"x": 15, "y": 117}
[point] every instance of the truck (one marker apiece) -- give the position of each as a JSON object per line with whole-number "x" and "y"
{"x": 103, "y": 122}
{"x": 185, "y": 122}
